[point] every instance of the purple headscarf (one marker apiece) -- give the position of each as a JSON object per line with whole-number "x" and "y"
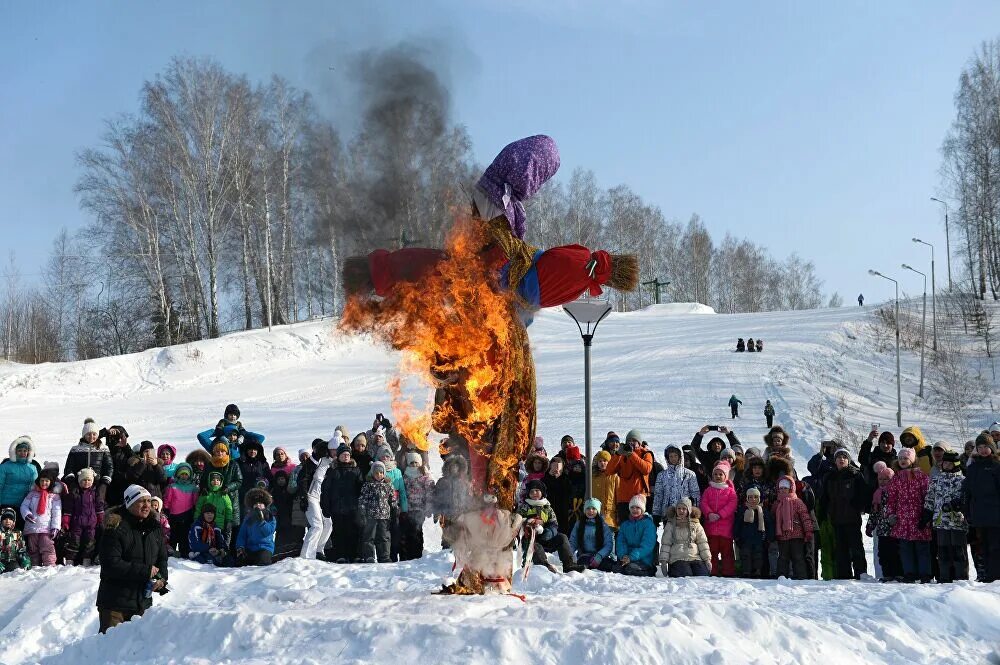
{"x": 519, "y": 171}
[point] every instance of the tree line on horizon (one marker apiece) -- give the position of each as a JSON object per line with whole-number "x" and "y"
{"x": 219, "y": 203}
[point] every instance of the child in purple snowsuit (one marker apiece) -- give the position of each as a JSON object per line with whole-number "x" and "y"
{"x": 83, "y": 511}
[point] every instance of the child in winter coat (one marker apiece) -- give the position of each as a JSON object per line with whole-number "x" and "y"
{"x": 539, "y": 515}
{"x": 419, "y": 491}
{"x": 753, "y": 527}
{"x": 535, "y": 467}
{"x": 793, "y": 527}
{"x": 167, "y": 454}
{"x": 13, "y": 550}
{"x": 206, "y": 541}
{"x": 880, "y": 529}
{"x": 605, "y": 487}
{"x": 401, "y": 504}
{"x": 636, "y": 541}
{"x": 42, "y": 513}
{"x": 943, "y": 508}
{"x": 179, "y": 505}
{"x": 232, "y": 481}
{"x": 684, "y": 550}
{"x": 559, "y": 492}
{"x": 452, "y": 493}
{"x": 255, "y": 542}
{"x": 218, "y": 497}
{"x": 83, "y": 511}
{"x": 161, "y": 516}
{"x": 718, "y": 505}
{"x": 376, "y": 505}
{"x": 907, "y": 493}
{"x": 591, "y": 539}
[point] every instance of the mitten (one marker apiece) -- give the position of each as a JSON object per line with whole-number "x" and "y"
{"x": 594, "y": 562}
{"x": 539, "y": 529}
{"x": 65, "y": 522}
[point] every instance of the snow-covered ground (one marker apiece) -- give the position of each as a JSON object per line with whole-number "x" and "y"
{"x": 667, "y": 371}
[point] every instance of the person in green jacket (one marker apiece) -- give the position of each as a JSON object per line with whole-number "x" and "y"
{"x": 232, "y": 478}
{"x": 219, "y": 497}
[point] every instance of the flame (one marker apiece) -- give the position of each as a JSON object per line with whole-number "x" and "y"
{"x": 460, "y": 334}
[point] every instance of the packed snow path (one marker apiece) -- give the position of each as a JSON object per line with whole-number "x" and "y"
{"x": 666, "y": 371}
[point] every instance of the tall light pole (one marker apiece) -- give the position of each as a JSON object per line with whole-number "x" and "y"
{"x": 947, "y": 239}
{"x": 899, "y": 384}
{"x": 933, "y": 294}
{"x": 587, "y": 312}
{"x": 923, "y": 327}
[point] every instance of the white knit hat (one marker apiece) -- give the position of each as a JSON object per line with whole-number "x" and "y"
{"x": 637, "y": 500}
{"x": 90, "y": 426}
{"x": 86, "y": 473}
{"x": 414, "y": 457}
{"x": 133, "y": 493}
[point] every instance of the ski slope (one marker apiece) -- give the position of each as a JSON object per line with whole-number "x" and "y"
{"x": 666, "y": 371}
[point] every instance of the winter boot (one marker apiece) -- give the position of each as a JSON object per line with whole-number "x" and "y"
{"x": 573, "y": 568}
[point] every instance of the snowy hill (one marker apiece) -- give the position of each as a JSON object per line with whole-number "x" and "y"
{"x": 667, "y": 371}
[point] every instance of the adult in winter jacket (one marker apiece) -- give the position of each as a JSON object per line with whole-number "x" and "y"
{"x": 907, "y": 493}
{"x": 635, "y": 545}
{"x": 339, "y": 501}
{"x": 708, "y": 457}
{"x": 559, "y": 492}
{"x": 133, "y": 556}
{"x": 769, "y": 414}
{"x": 674, "y": 483}
{"x": 751, "y": 345}
{"x": 734, "y": 406}
{"x": 605, "y": 487}
{"x": 538, "y": 515}
{"x": 982, "y": 504}
{"x": 255, "y": 542}
{"x": 144, "y": 469}
{"x": 842, "y": 502}
{"x": 17, "y": 473}
{"x": 871, "y": 454}
{"x": 229, "y": 470}
{"x": 591, "y": 539}
{"x": 632, "y": 466}
{"x": 776, "y": 442}
{"x": 359, "y": 453}
{"x": 116, "y": 439}
{"x": 913, "y": 438}
{"x": 943, "y": 510}
{"x": 684, "y": 550}
{"x": 253, "y": 466}
{"x": 89, "y": 453}
{"x": 282, "y": 462}
{"x": 311, "y": 489}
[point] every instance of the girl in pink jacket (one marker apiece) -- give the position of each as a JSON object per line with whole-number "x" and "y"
{"x": 907, "y": 491}
{"x": 718, "y": 506}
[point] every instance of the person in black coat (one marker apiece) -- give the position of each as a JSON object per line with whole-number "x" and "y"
{"x": 288, "y": 539}
{"x": 339, "y": 501}
{"x": 559, "y": 492}
{"x": 116, "y": 438}
{"x": 133, "y": 560}
{"x": 89, "y": 453}
{"x": 869, "y": 454}
{"x": 308, "y": 469}
{"x": 360, "y": 454}
{"x": 708, "y": 458}
{"x": 845, "y": 496}
{"x": 253, "y": 466}
{"x": 144, "y": 469}
{"x": 981, "y": 490}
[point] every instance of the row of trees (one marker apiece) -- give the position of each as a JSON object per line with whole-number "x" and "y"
{"x": 221, "y": 204}
{"x": 971, "y": 172}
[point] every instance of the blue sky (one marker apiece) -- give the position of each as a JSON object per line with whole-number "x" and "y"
{"x": 809, "y": 127}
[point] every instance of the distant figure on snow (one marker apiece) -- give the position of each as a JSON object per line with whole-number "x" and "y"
{"x": 861, "y": 300}
{"x": 769, "y": 413}
{"x": 760, "y": 345}
{"x": 734, "y": 406}
{"x": 740, "y": 345}
{"x": 751, "y": 345}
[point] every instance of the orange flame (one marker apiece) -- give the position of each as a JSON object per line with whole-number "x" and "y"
{"x": 456, "y": 331}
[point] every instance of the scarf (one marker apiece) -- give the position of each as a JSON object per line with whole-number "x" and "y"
{"x": 412, "y": 473}
{"x": 537, "y": 503}
{"x": 719, "y": 486}
{"x": 755, "y": 514}
{"x": 208, "y": 533}
{"x": 220, "y": 460}
{"x": 43, "y": 501}
{"x": 784, "y": 513}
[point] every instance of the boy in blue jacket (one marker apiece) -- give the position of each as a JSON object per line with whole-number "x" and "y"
{"x": 636, "y": 541}
{"x": 255, "y": 542}
{"x": 206, "y": 541}
{"x": 591, "y": 539}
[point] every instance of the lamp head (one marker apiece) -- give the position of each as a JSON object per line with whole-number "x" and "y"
{"x": 907, "y": 267}
{"x": 873, "y": 273}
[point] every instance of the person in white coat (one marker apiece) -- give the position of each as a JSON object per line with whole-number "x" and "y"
{"x": 318, "y": 528}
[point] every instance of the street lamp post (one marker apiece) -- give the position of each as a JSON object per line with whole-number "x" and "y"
{"x": 933, "y": 294}
{"x": 587, "y": 313}
{"x": 947, "y": 239}
{"x": 899, "y": 385}
{"x": 923, "y": 327}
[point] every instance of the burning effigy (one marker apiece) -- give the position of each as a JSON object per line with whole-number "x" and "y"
{"x": 459, "y": 315}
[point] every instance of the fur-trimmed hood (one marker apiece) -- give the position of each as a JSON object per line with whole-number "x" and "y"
{"x": 24, "y": 438}
{"x": 694, "y": 514}
{"x": 457, "y": 464}
{"x": 257, "y": 495}
{"x": 198, "y": 454}
{"x": 778, "y": 467}
{"x": 770, "y": 433}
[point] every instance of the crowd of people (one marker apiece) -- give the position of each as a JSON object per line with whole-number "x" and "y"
{"x": 705, "y": 508}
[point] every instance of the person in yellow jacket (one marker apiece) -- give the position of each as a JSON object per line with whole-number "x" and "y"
{"x": 913, "y": 438}
{"x": 605, "y": 487}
